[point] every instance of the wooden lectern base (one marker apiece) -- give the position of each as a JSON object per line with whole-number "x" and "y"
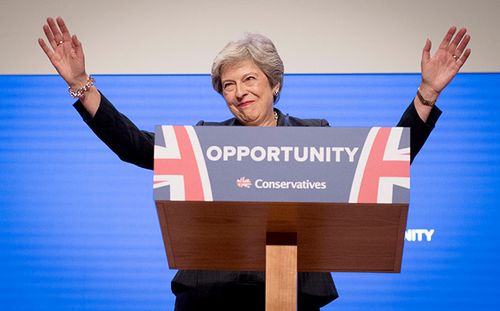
{"x": 281, "y": 271}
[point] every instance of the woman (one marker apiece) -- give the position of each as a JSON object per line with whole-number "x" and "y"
{"x": 249, "y": 75}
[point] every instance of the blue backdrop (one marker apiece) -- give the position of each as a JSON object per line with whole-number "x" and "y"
{"x": 79, "y": 231}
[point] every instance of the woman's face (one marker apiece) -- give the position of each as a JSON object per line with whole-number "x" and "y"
{"x": 248, "y": 93}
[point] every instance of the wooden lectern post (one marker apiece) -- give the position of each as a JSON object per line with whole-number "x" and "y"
{"x": 281, "y": 271}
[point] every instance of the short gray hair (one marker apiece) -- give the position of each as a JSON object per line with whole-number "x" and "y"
{"x": 258, "y": 49}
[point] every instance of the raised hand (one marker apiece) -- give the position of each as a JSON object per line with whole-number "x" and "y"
{"x": 442, "y": 67}
{"x": 65, "y": 52}
{"x": 66, "y": 55}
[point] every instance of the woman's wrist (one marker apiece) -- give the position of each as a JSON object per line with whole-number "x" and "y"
{"x": 83, "y": 87}
{"x": 78, "y": 82}
{"x": 428, "y": 93}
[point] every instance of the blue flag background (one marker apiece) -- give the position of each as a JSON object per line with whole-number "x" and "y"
{"x": 79, "y": 231}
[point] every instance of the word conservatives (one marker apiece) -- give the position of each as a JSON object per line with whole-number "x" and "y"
{"x": 244, "y": 182}
{"x": 304, "y": 184}
{"x": 282, "y": 153}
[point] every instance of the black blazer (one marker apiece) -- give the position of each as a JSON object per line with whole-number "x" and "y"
{"x": 135, "y": 146}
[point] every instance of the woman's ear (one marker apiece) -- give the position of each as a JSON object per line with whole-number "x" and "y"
{"x": 276, "y": 89}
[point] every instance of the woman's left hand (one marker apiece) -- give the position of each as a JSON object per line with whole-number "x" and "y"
{"x": 442, "y": 67}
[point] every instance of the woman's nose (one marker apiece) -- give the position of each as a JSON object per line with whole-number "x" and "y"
{"x": 240, "y": 91}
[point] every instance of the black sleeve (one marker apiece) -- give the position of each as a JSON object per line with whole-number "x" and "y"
{"x": 420, "y": 130}
{"x": 120, "y": 134}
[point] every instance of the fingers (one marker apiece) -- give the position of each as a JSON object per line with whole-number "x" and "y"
{"x": 426, "y": 52}
{"x": 56, "y": 33}
{"x": 463, "y": 44}
{"x": 55, "y": 30}
{"x": 455, "y": 45}
{"x": 50, "y": 36}
{"x": 75, "y": 42}
{"x": 447, "y": 38}
{"x": 45, "y": 48}
{"x": 65, "y": 32}
{"x": 461, "y": 61}
{"x": 459, "y": 36}
{"x": 461, "y": 47}
{"x": 77, "y": 45}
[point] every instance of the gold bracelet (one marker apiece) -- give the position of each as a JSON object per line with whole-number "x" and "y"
{"x": 81, "y": 91}
{"x": 425, "y": 102}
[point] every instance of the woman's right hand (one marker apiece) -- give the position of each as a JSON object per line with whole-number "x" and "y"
{"x": 66, "y": 55}
{"x": 64, "y": 52}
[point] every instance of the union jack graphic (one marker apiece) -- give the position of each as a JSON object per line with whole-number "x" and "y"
{"x": 243, "y": 182}
{"x": 381, "y": 167}
{"x": 179, "y": 164}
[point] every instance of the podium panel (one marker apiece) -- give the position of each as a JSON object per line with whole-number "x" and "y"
{"x": 330, "y": 236}
{"x": 282, "y": 164}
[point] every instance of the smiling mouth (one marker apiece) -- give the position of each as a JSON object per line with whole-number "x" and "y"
{"x": 245, "y": 103}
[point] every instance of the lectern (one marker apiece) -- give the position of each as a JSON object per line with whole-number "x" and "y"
{"x": 282, "y": 200}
